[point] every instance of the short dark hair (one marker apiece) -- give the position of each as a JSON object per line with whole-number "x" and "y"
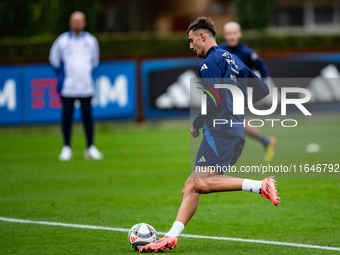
{"x": 202, "y": 23}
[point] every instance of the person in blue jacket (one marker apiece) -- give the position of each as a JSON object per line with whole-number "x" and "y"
{"x": 232, "y": 34}
{"x": 221, "y": 144}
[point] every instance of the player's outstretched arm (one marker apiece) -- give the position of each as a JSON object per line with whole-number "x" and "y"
{"x": 259, "y": 64}
{"x": 260, "y": 88}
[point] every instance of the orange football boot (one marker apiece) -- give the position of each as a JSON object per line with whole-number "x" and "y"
{"x": 161, "y": 245}
{"x": 268, "y": 190}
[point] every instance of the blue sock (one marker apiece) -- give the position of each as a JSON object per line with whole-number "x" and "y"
{"x": 264, "y": 140}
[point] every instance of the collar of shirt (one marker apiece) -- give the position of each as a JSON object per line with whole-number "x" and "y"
{"x": 73, "y": 34}
{"x": 211, "y": 50}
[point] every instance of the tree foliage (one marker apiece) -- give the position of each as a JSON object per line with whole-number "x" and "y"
{"x": 255, "y": 14}
{"x": 38, "y": 17}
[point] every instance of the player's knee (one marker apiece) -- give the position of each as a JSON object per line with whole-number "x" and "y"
{"x": 201, "y": 186}
{"x": 188, "y": 187}
{"x": 185, "y": 191}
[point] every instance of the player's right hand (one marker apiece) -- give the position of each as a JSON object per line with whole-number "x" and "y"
{"x": 194, "y": 132}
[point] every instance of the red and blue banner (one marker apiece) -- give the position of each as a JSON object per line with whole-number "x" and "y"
{"x": 28, "y": 93}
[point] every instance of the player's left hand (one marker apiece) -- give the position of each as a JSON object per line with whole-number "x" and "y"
{"x": 194, "y": 132}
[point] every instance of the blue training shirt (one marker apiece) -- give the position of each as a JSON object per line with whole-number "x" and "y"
{"x": 248, "y": 56}
{"x": 221, "y": 67}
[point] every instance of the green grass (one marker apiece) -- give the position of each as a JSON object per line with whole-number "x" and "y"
{"x": 140, "y": 180}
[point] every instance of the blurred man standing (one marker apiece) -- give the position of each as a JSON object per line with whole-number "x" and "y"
{"x": 74, "y": 55}
{"x": 233, "y": 35}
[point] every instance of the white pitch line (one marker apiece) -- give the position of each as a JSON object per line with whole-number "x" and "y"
{"x": 162, "y": 233}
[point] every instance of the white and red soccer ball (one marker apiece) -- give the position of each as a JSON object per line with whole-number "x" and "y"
{"x": 141, "y": 234}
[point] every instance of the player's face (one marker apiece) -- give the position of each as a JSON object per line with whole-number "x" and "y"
{"x": 232, "y": 35}
{"x": 77, "y": 23}
{"x": 196, "y": 44}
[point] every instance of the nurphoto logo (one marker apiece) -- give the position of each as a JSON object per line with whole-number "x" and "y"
{"x": 238, "y": 103}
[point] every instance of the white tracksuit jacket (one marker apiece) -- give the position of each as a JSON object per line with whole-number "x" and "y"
{"x": 74, "y": 57}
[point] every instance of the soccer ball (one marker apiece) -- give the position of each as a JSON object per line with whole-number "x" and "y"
{"x": 141, "y": 234}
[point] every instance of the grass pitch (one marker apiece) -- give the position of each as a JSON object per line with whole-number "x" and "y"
{"x": 140, "y": 180}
